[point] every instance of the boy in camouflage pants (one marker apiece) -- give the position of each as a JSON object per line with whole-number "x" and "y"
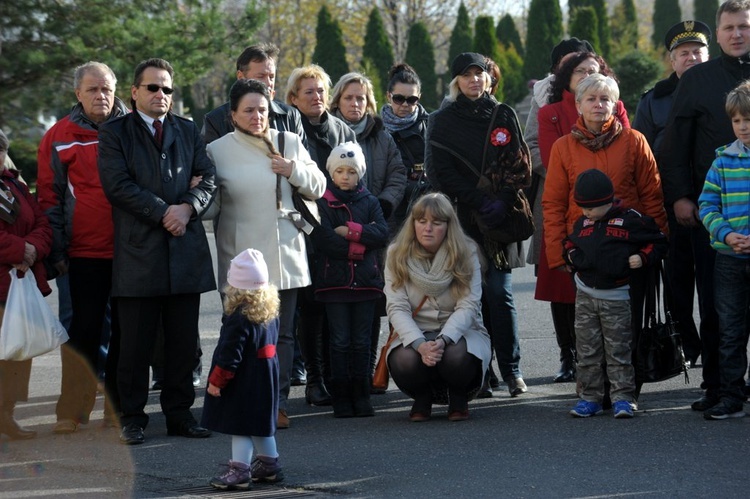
{"x": 606, "y": 243}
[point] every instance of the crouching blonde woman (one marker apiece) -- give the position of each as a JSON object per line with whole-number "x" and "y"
{"x": 433, "y": 288}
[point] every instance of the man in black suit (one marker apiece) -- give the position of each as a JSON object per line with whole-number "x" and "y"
{"x": 162, "y": 261}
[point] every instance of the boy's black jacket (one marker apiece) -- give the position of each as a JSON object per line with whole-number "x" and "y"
{"x": 599, "y": 251}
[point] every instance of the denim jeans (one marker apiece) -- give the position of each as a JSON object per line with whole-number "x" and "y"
{"x": 350, "y": 326}
{"x": 732, "y": 288}
{"x": 498, "y": 291}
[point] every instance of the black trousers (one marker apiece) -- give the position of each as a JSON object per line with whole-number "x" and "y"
{"x": 90, "y": 285}
{"x": 138, "y": 319}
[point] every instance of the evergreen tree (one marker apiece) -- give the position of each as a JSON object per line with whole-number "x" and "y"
{"x": 603, "y": 30}
{"x": 461, "y": 38}
{"x": 508, "y": 35}
{"x": 585, "y": 25}
{"x": 513, "y": 86}
{"x": 330, "y": 52}
{"x": 705, "y": 11}
{"x": 377, "y": 49}
{"x": 637, "y": 72}
{"x": 486, "y": 44}
{"x": 545, "y": 18}
{"x": 625, "y": 27}
{"x": 667, "y": 13}
{"x": 420, "y": 54}
{"x": 603, "y": 27}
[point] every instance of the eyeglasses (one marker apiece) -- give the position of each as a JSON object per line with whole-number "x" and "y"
{"x": 585, "y": 72}
{"x": 400, "y": 99}
{"x": 153, "y": 88}
{"x": 349, "y": 154}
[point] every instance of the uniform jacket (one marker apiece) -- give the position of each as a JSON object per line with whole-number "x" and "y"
{"x": 246, "y": 369}
{"x": 653, "y": 112}
{"x": 69, "y": 189}
{"x": 283, "y": 118}
{"x": 698, "y": 124}
{"x": 453, "y": 318}
{"x": 141, "y": 180}
{"x": 324, "y": 136}
{"x": 627, "y": 161}
{"x": 725, "y": 200}
{"x": 31, "y": 227}
{"x": 245, "y": 204}
{"x": 385, "y": 177}
{"x": 346, "y": 267}
{"x": 599, "y": 250}
{"x": 458, "y": 135}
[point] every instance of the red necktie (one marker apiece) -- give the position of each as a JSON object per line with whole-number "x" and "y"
{"x": 158, "y": 130}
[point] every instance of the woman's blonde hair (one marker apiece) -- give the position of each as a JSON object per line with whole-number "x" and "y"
{"x": 258, "y": 305}
{"x": 457, "y": 244}
{"x": 454, "y": 91}
{"x": 298, "y": 74}
{"x": 354, "y": 77}
{"x": 597, "y": 82}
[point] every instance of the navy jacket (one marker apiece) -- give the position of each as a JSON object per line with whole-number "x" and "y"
{"x": 346, "y": 265}
{"x": 599, "y": 251}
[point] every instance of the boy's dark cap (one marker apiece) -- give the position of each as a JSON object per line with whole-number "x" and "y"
{"x": 685, "y": 32}
{"x": 593, "y": 188}
{"x": 464, "y": 61}
{"x": 569, "y": 46}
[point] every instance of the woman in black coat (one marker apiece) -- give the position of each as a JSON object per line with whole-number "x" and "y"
{"x": 406, "y": 120}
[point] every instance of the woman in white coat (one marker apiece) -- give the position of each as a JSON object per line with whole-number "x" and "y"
{"x": 433, "y": 288}
{"x": 253, "y": 203}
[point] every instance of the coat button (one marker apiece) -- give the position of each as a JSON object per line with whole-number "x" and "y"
{"x": 163, "y": 156}
{"x": 167, "y": 179}
{"x": 146, "y": 211}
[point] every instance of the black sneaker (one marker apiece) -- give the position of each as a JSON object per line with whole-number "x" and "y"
{"x": 705, "y": 403}
{"x": 724, "y": 410}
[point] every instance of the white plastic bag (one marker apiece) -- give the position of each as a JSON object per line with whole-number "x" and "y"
{"x": 29, "y": 327}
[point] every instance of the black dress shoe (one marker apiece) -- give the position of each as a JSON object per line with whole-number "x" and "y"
{"x": 317, "y": 394}
{"x": 188, "y": 429}
{"x": 131, "y": 434}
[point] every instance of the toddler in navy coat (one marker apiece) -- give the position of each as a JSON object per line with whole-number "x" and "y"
{"x": 348, "y": 278}
{"x": 242, "y": 397}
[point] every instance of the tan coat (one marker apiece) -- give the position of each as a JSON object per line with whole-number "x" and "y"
{"x": 245, "y": 205}
{"x": 452, "y": 318}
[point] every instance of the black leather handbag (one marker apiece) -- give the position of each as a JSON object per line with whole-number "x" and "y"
{"x": 658, "y": 354}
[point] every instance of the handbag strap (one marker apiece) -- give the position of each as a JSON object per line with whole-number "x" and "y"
{"x": 280, "y": 139}
{"x": 487, "y": 138}
{"x": 419, "y": 307}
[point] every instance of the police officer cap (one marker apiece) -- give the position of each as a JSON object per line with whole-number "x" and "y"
{"x": 685, "y": 32}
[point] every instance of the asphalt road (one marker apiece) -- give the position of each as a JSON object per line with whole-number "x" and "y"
{"x": 522, "y": 447}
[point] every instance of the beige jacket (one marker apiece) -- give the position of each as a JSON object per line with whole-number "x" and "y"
{"x": 245, "y": 211}
{"x": 452, "y": 318}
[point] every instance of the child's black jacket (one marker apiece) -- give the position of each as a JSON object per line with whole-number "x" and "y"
{"x": 599, "y": 251}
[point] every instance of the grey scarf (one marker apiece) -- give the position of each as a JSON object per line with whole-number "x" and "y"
{"x": 431, "y": 277}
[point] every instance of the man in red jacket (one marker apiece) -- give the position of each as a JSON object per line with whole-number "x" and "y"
{"x": 71, "y": 195}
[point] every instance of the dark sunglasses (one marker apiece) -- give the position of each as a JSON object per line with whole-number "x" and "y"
{"x": 153, "y": 88}
{"x": 400, "y": 99}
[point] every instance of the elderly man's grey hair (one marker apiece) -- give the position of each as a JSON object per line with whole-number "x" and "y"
{"x": 92, "y": 67}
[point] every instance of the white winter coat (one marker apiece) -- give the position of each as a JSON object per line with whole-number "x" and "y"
{"x": 245, "y": 210}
